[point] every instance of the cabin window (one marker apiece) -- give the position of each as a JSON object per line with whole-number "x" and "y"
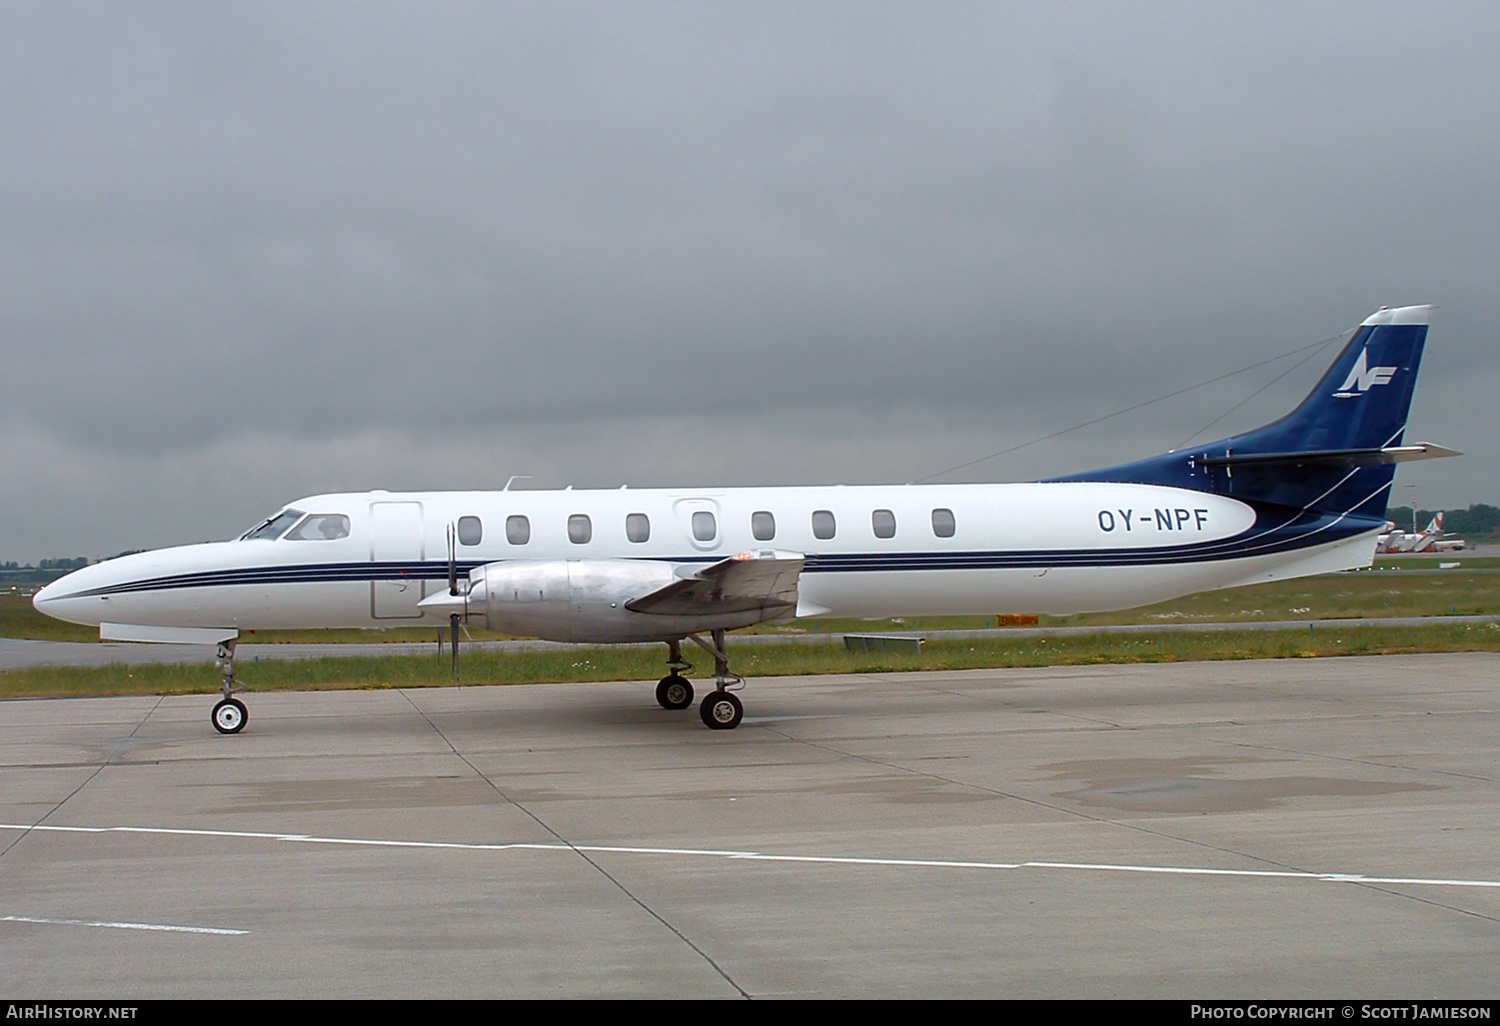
{"x": 470, "y": 530}
{"x": 705, "y": 528}
{"x": 763, "y": 525}
{"x": 884, "y": 523}
{"x": 580, "y": 528}
{"x": 273, "y": 528}
{"x": 823, "y": 524}
{"x": 517, "y": 530}
{"x": 321, "y": 527}
{"x": 942, "y": 523}
{"x": 638, "y": 527}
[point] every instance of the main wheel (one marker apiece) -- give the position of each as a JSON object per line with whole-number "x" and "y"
{"x": 229, "y": 716}
{"x": 721, "y": 711}
{"x": 674, "y": 692}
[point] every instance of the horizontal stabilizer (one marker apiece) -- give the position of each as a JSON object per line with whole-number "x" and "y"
{"x": 752, "y": 580}
{"x": 1334, "y": 457}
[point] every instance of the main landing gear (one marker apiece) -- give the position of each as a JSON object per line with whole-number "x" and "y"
{"x": 720, "y": 710}
{"x": 230, "y": 715}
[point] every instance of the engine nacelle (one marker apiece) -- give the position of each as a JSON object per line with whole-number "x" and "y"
{"x": 615, "y": 600}
{"x": 582, "y": 600}
{"x": 564, "y": 599}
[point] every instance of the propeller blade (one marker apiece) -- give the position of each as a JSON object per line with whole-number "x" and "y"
{"x": 453, "y": 619}
{"x": 452, "y": 564}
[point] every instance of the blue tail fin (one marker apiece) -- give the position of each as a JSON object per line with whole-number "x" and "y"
{"x": 1335, "y": 452}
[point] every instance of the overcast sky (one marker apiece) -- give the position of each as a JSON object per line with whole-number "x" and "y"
{"x": 254, "y": 251}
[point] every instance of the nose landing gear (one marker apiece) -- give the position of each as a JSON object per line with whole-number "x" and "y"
{"x": 230, "y": 715}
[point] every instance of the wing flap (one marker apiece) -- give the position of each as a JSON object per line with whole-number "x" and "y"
{"x": 765, "y": 580}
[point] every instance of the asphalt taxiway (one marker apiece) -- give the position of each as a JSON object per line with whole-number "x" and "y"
{"x": 1317, "y": 827}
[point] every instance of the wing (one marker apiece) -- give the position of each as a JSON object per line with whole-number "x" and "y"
{"x": 765, "y": 580}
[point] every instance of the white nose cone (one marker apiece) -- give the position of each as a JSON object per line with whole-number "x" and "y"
{"x": 57, "y": 601}
{"x": 61, "y": 599}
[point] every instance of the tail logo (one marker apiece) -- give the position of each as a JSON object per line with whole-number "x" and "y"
{"x": 1362, "y": 377}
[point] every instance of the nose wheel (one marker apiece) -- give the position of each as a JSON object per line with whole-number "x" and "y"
{"x": 230, "y": 715}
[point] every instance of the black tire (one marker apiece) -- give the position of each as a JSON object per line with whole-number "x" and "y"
{"x": 674, "y": 692}
{"x": 230, "y": 716}
{"x": 721, "y": 711}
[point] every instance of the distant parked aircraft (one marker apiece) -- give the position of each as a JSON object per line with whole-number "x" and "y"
{"x": 1431, "y": 540}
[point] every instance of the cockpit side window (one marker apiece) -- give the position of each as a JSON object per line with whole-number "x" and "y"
{"x": 272, "y": 529}
{"x": 321, "y": 527}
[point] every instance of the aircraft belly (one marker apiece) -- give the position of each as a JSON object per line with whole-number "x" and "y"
{"x": 619, "y": 627}
{"x": 1058, "y": 590}
{"x": 1355, "y": 553}
{"x": 1061, "y": 590}
{"x": 319, "y": 604}
{"x": 247, "y": 606}
{"x": 181, "y": 607}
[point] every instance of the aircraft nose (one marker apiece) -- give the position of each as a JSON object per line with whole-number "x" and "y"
{"x": 62, "y": 600}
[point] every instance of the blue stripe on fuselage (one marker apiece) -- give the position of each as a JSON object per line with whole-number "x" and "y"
{"x": 1293, "y": 530}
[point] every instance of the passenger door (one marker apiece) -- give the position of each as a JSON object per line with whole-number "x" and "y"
{"x": 397, "y": 550}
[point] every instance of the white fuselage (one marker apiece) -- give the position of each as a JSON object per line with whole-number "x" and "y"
{"x": 1013, "y": 548}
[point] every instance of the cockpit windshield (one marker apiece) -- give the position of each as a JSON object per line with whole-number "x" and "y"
{"x": 273, "y": 528}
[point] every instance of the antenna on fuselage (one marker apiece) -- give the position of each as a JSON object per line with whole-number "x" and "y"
{"x": 513, "y": 479}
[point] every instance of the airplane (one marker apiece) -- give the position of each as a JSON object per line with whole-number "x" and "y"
{"x": 1305, "y": 494}
{"x": 1434, "y": 538}
{"x": 1430, "y": 540}
{"x": 1395, "y": 541}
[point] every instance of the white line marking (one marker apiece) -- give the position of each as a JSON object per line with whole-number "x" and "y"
{"x": 160, "y": 927}
{"x": 756, "y": 856}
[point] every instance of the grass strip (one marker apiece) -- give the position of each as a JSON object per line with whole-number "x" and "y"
{"x": 1419, "y": 589}
{"x": 615, "y": 664}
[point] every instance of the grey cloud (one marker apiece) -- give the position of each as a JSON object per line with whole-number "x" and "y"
{"x": 447, "y": 225}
